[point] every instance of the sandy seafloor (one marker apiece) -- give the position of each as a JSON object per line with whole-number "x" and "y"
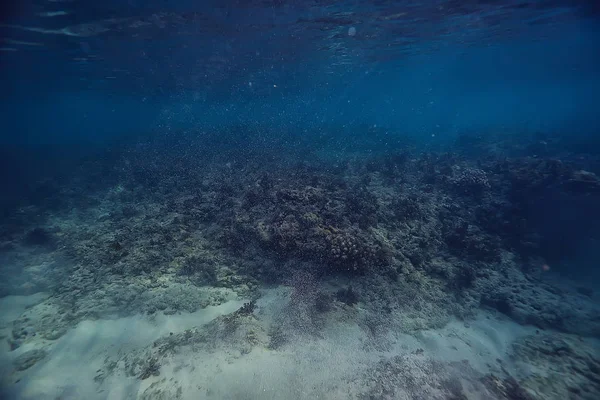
{"x": 93, "y": 359}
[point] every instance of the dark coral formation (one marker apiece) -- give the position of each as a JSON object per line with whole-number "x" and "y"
{"x": 470, "y": 180}
{"x": 461, "y": 229}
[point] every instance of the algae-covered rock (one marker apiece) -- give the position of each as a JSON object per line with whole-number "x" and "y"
{"x": 28, "y": 359}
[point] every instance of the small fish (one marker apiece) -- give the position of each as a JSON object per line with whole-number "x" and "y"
{"x": 12, "y": 41}
{"x": 393, "y": 16}
{"x": 50, "y": 14}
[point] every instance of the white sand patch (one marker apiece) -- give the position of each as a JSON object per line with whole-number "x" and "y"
{"x": 481, "y": 342}
{"x": 325, "y": 367}
{"x": 11, "y": 307}
{"x": 308, "y": 367}
{"x": 73, "y": 361}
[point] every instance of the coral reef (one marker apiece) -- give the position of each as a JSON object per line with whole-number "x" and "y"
{"x": 393, "y": 241}
{"x": 470, "y": 180}
{"x": 439, "y": 220}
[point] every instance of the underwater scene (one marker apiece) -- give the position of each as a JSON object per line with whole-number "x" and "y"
{"x": 304, "y": 199}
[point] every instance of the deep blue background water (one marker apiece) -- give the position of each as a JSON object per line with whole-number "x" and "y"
{"x": 429, "y": 70}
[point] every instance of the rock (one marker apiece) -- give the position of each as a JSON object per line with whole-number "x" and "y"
{"x": 28, "y": 359}
{"x": 583, "y": 182}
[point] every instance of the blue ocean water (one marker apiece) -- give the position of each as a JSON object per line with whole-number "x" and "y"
{"x": 300, "y": 199}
